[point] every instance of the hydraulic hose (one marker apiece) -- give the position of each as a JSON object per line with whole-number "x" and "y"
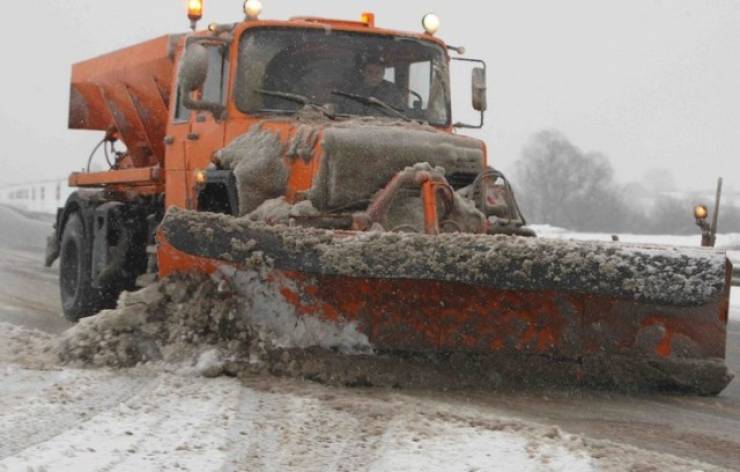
{"x": 92, "y": 154}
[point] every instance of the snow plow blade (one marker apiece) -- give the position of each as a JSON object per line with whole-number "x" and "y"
{"x": 607, "y": 315}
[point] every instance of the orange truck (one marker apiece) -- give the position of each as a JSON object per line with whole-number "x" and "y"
{"x": 329, "y": 147}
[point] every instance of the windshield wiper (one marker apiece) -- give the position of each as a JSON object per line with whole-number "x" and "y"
{"x": 305, "y": 101}
{"x": 372, "y": 101}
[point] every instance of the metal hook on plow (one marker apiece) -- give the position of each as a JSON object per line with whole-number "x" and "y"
{"x": 432, "y": 184}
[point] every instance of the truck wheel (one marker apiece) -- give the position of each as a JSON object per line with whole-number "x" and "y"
{"x": 79, "y": 298}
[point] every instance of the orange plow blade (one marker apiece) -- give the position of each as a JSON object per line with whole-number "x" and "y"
{"x": 600, "y": 314}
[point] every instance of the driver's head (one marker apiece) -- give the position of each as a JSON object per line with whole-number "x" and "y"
{"x": 372, "y": 68}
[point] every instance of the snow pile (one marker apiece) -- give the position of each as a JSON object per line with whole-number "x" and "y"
{"x": 171, "y": 321}
{"x": 27, "y": 347}
{"x": 229, "y": 322}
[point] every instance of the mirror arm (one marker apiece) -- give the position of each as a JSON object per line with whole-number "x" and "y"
{"x": 216, "y": 109}
{"x": 466, "y": 59}
{"x": 467, "y": 126}
{"x": 193, "y": 74}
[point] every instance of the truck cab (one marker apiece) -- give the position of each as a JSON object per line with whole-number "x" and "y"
{"x": 277, "y": 73}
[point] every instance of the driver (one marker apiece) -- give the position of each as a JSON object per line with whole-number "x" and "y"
{"x": 373, "y": 83}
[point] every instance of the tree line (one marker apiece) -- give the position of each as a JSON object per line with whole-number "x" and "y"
{"x": 559, "y": 184}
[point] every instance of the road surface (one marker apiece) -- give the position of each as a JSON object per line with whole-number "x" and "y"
{"x": 348, "y": 426}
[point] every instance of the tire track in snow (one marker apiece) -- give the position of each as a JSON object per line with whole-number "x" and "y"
{"x": 39, "y": 405}
{"x": 175, "y": 422}
{"x": 190, "y": 431}
{"x": 373, "y": 415}
{"x": 309, "y": 430}
{"x": 290, "y": 432}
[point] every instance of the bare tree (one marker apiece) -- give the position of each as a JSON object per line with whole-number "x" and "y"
{"x": 561, "y": 185}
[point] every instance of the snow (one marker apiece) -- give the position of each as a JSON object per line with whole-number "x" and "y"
{"x": 453, "y": 447}
{"x": 130, "y": 437}
{"x": 136, "y": 419}
{"x": 55, "y": 418}
{"x": 728, "y": 240}
{"x": 209, "y": 364}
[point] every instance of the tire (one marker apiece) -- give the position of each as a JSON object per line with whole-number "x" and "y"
{"x": 79, "y": 298}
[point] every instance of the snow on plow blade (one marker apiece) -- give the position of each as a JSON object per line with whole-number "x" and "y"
{"x": 539, "y": 311}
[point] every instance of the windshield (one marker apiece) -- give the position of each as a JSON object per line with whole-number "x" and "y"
{"x": 338, "y": 69}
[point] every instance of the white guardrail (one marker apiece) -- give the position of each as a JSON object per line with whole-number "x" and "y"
{"x": 37, "y": 197}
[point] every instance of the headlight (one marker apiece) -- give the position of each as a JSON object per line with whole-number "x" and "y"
{"x": 200, "y": 177}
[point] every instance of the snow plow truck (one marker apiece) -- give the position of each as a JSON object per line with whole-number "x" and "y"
{"x": 328, "y": 146}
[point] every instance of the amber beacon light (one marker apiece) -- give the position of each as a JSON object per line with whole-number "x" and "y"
{"x": 195, "y": 12}
{"x": 701, "y": 212}
{"x": 368, "y": 19}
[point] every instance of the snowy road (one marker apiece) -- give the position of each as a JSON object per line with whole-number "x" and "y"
{"x": 137, "y": 421}
{"x": 67, "y": 419}
{"x": 29, "y": 294}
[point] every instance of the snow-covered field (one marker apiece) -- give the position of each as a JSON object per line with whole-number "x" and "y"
{"x": 724, "y": 241}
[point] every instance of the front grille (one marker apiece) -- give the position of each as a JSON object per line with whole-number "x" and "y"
{"x": 459, "y": 180}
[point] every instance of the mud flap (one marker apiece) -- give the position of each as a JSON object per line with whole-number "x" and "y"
{"x": 52, "y": 249}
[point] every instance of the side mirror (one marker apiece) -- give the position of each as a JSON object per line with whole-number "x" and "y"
{"x": 192, "y": 77}
{"x": 478, "y": 90}
{"x": 480, "y": 102}
{"x": 194, "y": 68}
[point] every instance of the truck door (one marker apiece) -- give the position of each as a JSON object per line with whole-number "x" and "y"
{"x": 192, "y": 135}
{"x": 206, "y": 134}
{"x": 176, "y": 141}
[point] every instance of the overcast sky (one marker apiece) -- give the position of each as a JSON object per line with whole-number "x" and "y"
{"x": 650, "y": 83}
